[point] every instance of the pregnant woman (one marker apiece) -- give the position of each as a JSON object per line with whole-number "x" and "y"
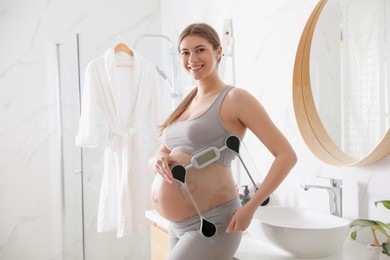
{"x": 206, "y": 117}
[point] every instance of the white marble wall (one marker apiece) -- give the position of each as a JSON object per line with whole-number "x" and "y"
{"x": 266, "y": 37}
{"x": 36, "y": 221}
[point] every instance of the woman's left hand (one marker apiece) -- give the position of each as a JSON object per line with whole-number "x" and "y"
{"x": 240, "y": 220}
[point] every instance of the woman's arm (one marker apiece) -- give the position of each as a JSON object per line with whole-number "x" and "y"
{"x": 253, "y": 116}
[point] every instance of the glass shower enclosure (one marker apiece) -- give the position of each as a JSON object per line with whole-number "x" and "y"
{"x": 82, "y": 168}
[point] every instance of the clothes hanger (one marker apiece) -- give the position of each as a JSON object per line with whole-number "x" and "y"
{"x": 121, "y": 47}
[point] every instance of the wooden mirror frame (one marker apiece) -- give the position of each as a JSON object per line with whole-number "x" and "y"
{"x": 308, "y": 120}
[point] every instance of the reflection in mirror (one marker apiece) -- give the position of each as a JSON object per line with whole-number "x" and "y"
{"x": 349, "y": 73}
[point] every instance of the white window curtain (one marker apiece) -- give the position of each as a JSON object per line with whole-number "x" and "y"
{"x": 364, "y": 71}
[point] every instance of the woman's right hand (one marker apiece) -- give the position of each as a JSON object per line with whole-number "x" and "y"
{"x": 161, "y": 164}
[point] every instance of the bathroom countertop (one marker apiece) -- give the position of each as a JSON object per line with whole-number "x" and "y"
{"x": 252, "y": 249}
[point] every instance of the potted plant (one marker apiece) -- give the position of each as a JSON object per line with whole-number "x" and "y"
{"x": 375, "y": 226}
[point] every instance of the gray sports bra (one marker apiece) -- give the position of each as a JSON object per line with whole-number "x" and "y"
{"x": 192, "y": 136}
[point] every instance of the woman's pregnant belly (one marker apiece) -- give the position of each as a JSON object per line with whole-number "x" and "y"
{"x": 211, "y": 186}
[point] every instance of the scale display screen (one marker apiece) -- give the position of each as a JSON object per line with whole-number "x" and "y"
{"x": 205, "y": 157}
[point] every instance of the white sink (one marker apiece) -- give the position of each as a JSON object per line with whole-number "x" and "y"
{"x": 301, "y": 232}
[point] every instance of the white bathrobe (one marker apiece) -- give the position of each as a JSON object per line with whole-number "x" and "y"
{"x": 127, "y": 90}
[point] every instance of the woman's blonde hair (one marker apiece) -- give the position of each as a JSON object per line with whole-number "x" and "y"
{"x": 207, "y": 32}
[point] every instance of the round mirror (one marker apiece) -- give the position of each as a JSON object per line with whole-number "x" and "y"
{"x": 341, "y": 81}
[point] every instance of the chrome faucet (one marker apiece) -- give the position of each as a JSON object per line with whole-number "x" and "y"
{"x": 335, "y": 195}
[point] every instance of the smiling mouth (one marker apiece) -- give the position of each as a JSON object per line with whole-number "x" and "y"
{"x": 195, "y": 68}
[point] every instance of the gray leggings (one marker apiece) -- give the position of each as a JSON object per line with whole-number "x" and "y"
{"x": 186, "y": 242}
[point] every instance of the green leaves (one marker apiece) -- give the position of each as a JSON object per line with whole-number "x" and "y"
{"x": 375, "y": 225}
{"x": 362, "y": 223}
{"x": 386, "y": 203}
{"x": 386, "y": 248}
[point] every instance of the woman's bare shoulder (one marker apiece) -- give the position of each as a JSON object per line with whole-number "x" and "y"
{"x": 245, "y": 105}
{"x": 237, "y": 94}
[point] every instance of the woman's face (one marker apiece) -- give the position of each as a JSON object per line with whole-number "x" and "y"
{"x": 198, "y": 57}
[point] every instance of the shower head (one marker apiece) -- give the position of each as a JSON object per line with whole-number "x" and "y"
{"x": 164, "y": 76}
{"x": 161, "y": 72}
